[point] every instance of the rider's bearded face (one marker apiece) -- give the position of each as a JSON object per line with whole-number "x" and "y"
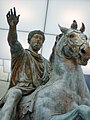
{"x": 36, "y": 42}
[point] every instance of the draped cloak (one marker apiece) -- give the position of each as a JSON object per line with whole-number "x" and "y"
{"x": 28, "y": 69}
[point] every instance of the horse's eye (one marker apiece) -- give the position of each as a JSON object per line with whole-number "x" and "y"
{"x": 72, "y": 35}
{"x": 83, "y": 51}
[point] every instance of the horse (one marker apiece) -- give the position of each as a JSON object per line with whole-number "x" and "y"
{"x": 65, "y": 96}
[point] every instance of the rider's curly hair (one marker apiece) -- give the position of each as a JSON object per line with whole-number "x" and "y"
{"x": 30, "y": 35}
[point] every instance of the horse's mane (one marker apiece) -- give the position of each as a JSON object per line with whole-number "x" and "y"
{"x": 51, "y": 59}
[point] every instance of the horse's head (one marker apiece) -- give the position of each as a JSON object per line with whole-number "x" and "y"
{"x": 73, "y": 44}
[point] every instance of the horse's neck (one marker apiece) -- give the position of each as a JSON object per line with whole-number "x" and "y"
{"x": 62, "y": 66}
{"x": 68, "y": 72}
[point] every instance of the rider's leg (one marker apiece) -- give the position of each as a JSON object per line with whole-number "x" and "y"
{"x": 9, "y": 109}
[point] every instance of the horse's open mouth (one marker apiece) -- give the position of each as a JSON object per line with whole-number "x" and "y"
{"x": 83, "y": 59}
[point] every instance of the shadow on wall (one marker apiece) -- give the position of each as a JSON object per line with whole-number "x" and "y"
{"x": 87, "y": 78}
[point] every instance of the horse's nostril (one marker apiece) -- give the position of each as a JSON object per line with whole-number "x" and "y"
{"x": 83, "y": 51}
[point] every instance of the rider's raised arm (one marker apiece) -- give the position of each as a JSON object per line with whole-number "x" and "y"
{"x": 12, "y": 20}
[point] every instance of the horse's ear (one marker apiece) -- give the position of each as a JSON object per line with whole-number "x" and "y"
{"x": 63, "y": 29}
{"x": 82, "y": 29}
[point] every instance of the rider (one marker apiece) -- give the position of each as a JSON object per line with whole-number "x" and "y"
{"x": 29, "y": 69}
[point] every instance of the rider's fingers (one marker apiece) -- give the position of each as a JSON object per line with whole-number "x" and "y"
{"x": 14, "y": 11}
{"x": 8, "y": 14}
{"x": 18, "y": 16}
{"x": 11, "y": 11}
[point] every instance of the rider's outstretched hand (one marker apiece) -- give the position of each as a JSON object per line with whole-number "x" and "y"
{"x": 12, "y": 18}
